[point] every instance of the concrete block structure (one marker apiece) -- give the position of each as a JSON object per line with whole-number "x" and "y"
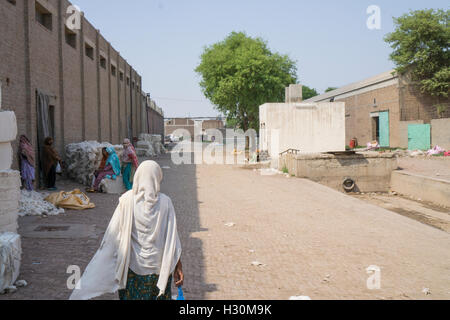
{"x": 368, "y": 171}
{"x": 306, "y": 127}
{"x": 382, "y": 107}
{"x": 93, "y": 92}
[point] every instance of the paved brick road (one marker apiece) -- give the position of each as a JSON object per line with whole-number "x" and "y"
{"x": 312, "y": 241}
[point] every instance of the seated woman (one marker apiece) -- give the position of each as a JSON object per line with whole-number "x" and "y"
{"x": 111, "y": 169}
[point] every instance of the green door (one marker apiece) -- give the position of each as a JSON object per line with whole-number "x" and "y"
{"x": 419, "y": 136}
{"x": 384, "y": 129}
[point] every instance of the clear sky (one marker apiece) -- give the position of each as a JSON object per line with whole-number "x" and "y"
{"x": 163, "y": 39}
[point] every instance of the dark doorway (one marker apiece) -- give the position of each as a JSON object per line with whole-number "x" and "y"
{"x": 376, "y": 128}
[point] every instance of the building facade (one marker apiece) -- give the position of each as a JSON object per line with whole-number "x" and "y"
{"x": 390, "y": 109}
{"x": 91, "y": 91}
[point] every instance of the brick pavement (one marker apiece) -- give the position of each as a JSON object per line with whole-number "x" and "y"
{"x": 312, "y": 241}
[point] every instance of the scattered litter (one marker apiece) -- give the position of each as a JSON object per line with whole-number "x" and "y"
{"x": 10, "y": 289}
{"x": 327, "y": 278}
{"x": 251, "y": 251}
{"x": 426, "y": 291}
{"x": 166, "y": 168}
{"x": 373, "y": 145}
{"x": 258, "y": 264}
{"x": 230, "y": 224}
{"x": 21, "y": 283}
{"x": 435, "y": 151}
{"x": 269, "y": 172}
{"x": 300, "y": 298}
{"x": 417, "y": 153}
{"x": 447, "y": 154}
{"x": 32, "y": 203}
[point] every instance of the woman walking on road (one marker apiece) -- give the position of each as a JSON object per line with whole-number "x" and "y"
{"x": 141, "y": 248}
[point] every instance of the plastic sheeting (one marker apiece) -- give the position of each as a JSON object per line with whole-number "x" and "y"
{"x": 75, "y": 200}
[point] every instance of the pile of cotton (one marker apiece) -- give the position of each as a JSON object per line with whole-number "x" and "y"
{"x": 151, "y": 143}
{"x": 84, "y": 158}
{"x": 32, "y": 203}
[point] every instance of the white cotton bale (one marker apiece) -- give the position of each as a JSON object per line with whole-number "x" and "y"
{"x": 6, "y": 155}
{"x": 10, "y": 259}
{"x": 8, "y": 126}
{"x": 112, "y": 186}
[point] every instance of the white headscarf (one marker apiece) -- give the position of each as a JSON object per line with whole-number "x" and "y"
{"x": 142, "y": 236}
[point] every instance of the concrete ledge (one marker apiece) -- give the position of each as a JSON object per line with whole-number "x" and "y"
{"x": 370, "y": 171}
{"x": 427, "y": 189}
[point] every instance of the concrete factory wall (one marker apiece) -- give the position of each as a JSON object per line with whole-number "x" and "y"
{"x": 370, "y": 171}
{"x": 308, "y": 127}
{"x": 94, "y": 93}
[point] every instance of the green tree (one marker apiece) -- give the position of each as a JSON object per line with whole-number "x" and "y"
{"x": 421, "y": 41}
{"x": 309, "y": 93}
{"x": 240, "y": 73}
{"x": 330, "y": 89}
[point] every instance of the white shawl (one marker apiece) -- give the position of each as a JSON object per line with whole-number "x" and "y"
{"x": 142, "y": 235}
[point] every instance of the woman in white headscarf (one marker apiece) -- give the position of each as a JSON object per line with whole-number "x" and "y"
{"x": 141, "y": 248}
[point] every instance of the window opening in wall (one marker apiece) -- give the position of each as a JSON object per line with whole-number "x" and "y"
{"x": 13, "y": 2}
{"x": 113, "y": 70}
{"x": 103, "y": 62}
{"x": 71, "y": 38}
{"x": 89, "y": 51}
{"x": 121, "y": 76}
{"x": 128, "y": 81}
{"x": 43, "y": 16}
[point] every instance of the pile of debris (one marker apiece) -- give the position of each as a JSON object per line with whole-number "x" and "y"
{"x": 84, "y": 158}
{"x": 150, "y": 145}
{"x": 32, "y": 203}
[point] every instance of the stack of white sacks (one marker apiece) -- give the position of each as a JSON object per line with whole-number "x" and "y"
{"x": 84, "y": 158}
{"x": 10, "y": 246}
{"x": 150, "y": 145}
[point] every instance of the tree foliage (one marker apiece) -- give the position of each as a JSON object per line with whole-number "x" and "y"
{"x": 421, "y": 42}
{"x": 330, "y": 89}
{"x": 309, "y": 93}
{"x": 240, "y": 73}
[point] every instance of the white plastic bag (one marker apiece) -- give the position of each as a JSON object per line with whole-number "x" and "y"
{"x": 58, "y": 168}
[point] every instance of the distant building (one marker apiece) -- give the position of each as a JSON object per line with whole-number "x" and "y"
{"x": 391, "y": 110}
